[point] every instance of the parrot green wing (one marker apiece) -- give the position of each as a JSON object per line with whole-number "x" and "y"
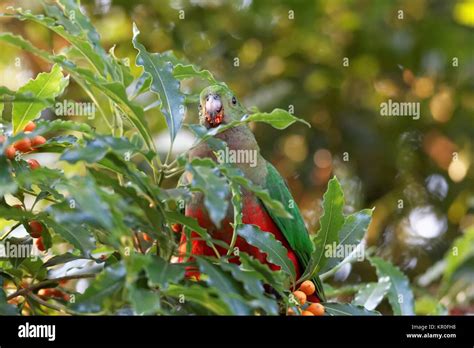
{"x": 294, "y": 229}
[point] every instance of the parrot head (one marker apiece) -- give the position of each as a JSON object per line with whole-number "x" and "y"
{"x": 218, "y": 105}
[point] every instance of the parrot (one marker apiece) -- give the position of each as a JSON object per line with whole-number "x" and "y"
{"x": 219, "y": 106}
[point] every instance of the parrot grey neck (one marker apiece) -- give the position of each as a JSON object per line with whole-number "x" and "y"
{"x": 243, "y": 152}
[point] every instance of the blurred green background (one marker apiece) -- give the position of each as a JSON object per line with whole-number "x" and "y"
{"x": 334, "y": 62}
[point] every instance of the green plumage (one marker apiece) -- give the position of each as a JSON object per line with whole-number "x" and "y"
{"x": 294, "y": 229}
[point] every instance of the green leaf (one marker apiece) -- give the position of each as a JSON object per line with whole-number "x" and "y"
{"x": 113, "y": 90}
{"x": 45, "y": 85}
{"x": 207, "y": 298}
{"x": 399, "y": 295}
{"x": 77, "y": 236}
{"x": 159, "y": 67}
{"x": 5, "y": 307}
{"x": 162, "y": 273}
{"x": 427, "y": 305}
{"x": 214, "y": 188}
{"x": 346, "y": 309}
{"x": 266, "y": 242}
{"x": 331, "y": 223}
{"x": 229, "y": 289}
{"x": 351, "y": 234}
{"x": 191, "y": 223}
{"x": 144, "y": 301}
{"x": 253, "y": 286}
{"x": 273, "y": 278}
{"x": 278, "y": 118}
{"x": 106, "y": 284}
{"x": 7, "y": 184}
{"x": 62, "y": 125}
{"x": 372, "y": 294}
{"x": 187, "y": 71}
{"x": 460, "y": 251}
{"x": 69, "y": 30}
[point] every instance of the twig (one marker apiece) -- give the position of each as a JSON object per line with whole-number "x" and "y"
{"x": 46, "y": 283}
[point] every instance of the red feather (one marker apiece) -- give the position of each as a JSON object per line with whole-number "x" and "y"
{"x": 252, "y": 213}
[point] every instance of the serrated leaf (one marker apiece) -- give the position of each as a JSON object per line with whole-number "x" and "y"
{"x": 372, "y": 294}
{"x": 400, "y": 294}
{"x": 278, "y": 118}
{"x": 44, "y": 86}
{"x": 187, "y": 71}
{"x": 162, "y": 273}
{"x": 351, "y": 234}
{"x": 346, "y": 309}
{"x": 7, "y": 184}
{"x": 79, "y": 236}
{"x": 266, "y": 242}
{"x": 331, "y": 223}
{"x": 214, "y": 188}
{"x": 5, "y": 307}
{"x": 164, "y": 84}
{"x": 228, "y": 288}
{"x": 61, "y": 125}
{"x": 253, "y": 286}
{"x": 207, "y": 298}
{"x": 460, "y": 251}
{"x": 107, "y": 283}
{"x": 144, "y": 301}
{"x": 273, "y": 278}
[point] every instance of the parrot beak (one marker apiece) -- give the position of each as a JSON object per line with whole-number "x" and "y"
{"x": 213, "y": 110}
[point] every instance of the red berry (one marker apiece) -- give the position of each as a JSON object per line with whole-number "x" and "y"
{"x": 36, "y": 229}
{"x": 38, "y": 141}
{"x": 10, "y": 152}
{"x": 23, "y": 145}
{"x": 176, "y": 228}
{"x": 34, "y": 164}
{"x": 30, "y": 127}
{"x": 39, "y": 244}
{"x": 147, "y": 237}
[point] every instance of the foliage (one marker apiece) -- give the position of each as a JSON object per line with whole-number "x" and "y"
{"x": 95, "y": 220}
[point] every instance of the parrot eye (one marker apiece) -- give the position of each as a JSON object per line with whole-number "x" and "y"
{"x": 234, "y": 101}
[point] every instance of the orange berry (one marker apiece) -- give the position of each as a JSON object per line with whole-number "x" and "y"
{"x": 30, "y": 127}
{"x": 300, "y": 296}
{"x": 38, "y": 141}
{"x": 316, "y": 308}
{"x": 34, "y": 164}
{"x": 53, "y": 292}
{"x": 10, "y": 152}
{"x": 147, "y": 237}
{"x": 23, "y": 145}
{"x": 176, "y": 228}
{"x": 39, "y": 244}
{"x": 291, "y": 311}
{"x": 307, "y": 313}
{"x": 36, "y": 229}
{"x": 308, "y": 287}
